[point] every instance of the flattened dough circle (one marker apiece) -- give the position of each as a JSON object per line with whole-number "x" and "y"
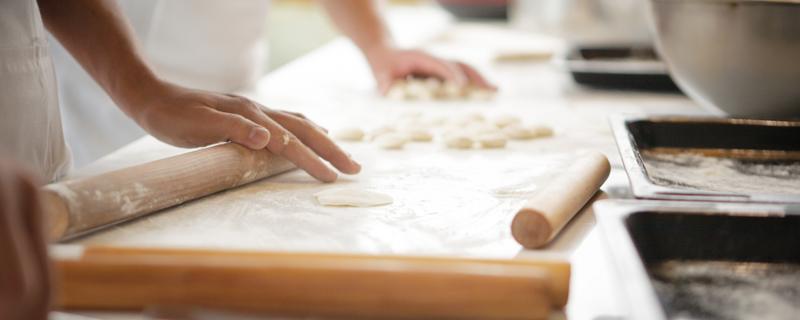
{"x": 352, "y": 197}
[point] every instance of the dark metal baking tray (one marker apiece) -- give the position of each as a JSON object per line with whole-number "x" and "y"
{"x": 696, "y": 260}
{"x": 626, "y": 67}
{"x": 709, "y": 158}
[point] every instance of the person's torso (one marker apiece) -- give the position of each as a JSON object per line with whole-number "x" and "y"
{"x": 30, "y": 125}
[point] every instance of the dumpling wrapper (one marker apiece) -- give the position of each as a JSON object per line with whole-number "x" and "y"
{"x": 352, "y": 197}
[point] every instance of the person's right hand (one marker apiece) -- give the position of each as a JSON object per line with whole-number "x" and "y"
{"x": 194, "y": 118}
{"x": 24, "y": 266}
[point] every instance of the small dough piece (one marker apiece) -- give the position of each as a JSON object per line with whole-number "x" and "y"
{"x": 397, "y": 91}
{"x": 519, "y": 132}
{"x": 417, "y": 89}
{"x": 506, "y": 120}
{"x": 379, "y": 131}
{"x": 391, "y": 141}
{"x": 458, "y": 141}
{"x": 350, "y": 134}
{"x": 480, "y": 94}
{"x": 492, "y": 140}
{"x": 352, "y": 197}
{"x": 418, "y": 134}
{"x": 451, "y": 91}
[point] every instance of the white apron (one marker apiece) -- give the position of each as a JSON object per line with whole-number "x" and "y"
{"x": 204, "y": 44}
{"x": 30, "y": 123}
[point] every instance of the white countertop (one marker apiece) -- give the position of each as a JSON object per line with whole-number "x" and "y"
{"x": 446, "y": 200}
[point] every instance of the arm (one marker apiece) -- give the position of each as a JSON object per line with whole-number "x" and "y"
{"x": 25, "y": 269}
{"x": 97, "y": 35}
{"x": 360, "y": 21}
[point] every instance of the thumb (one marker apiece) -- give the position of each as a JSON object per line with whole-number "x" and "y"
{"x": 241, "y": 130}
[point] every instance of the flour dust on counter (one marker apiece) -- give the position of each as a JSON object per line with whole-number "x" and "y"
{"x": 352, "y": 197}
{"x": 457, "y": 203}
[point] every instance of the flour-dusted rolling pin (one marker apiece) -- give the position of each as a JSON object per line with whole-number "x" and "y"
{"x": 341, "y": 285}
{"x": 77, "y": 206}
{"x": 544, "y": 215}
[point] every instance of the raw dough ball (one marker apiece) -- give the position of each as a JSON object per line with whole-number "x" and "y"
{"x": 492, "y": 140}
{"x": 518, "y": 132}
{"x": 506, "y": 120}
{"x": 379, "y": 131}
{"x": 458, "y": 141}
{"x": 450, "y": 90}
{"x": 480, "y": 94}
{"x": 391, "y": 141}
{"x": 397, "y": 91}
{"x": 417, "y": 89}
{"x": 418, "y": 134}
{"x": 352, "y": 197}
{"x": 350, "y": 134}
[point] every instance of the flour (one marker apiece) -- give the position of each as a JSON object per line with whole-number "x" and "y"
{"x": 694, "y": 171}
{"x": 727, "y": 290}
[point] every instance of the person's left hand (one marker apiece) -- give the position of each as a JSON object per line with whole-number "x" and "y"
{"x": 390, "y": 64}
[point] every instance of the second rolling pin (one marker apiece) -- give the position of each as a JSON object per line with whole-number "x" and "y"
{"x": 544, "y": 215}
{"x": 77, "y": 206}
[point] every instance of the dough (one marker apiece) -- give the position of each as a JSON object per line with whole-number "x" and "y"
{"x": 350, "y": 134}
{"x": 391, "y": 141}
{"x": 506, "y": 120}
{"x": 458, "y": 141}
{"x": 418, "y": 134}
{"x": 480, "y": 94}
{"x": 418, "y": 89}
{"x": 433, "y": 88}
{"x": 492, "y": 140}
{"x": 352, "y": 197}
{"x": 452, "y": 91}
{"x": 519, "y": 132}
{"x": 397, "y": 91}
{"x": 379, "y": 131}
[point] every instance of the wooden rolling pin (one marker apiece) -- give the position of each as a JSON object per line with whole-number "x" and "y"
{"x": 305, "y": 284}
{"x": 77, "y": 206}
{"x": 544, "y": 215}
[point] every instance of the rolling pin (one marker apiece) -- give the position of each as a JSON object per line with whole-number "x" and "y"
{"x": 542, "y": 217}
{"x": 305, "y": 284}
{"x": 78, "y": 206}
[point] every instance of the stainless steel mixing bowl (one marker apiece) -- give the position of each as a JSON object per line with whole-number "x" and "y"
{"x": 741, "y": 57}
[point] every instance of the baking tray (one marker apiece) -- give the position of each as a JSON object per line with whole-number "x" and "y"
{"x": 710, "y": 158}
{"x": 626, "y": 67}
{"x": 698, "y": 260}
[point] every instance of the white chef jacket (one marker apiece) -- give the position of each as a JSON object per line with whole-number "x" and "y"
{"x": 205, "y": 44}
{"x": 30, "y": 123}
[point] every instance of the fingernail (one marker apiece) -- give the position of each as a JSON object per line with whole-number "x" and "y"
{"x": 259, "y": 137}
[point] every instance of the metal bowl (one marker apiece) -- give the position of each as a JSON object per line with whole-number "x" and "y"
{"x": 740, "y": 57}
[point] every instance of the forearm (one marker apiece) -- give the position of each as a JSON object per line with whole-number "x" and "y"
{"x": 97, "y": 34}
{"x": 361, "y": 22}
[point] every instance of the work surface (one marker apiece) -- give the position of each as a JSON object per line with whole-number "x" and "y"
{"x": 447, "y": 202}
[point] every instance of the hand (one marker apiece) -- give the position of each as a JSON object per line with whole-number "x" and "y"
{"x": 24, "y": 270}
{"x": 193, "y": 118}
{"x": 389, "y": 64}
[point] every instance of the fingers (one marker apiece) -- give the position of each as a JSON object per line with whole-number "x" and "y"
{"x": 319, "y": 142}
{"x": 284, "y": 142}
{"x": 241, "y": 130}
{"x": 474, "y": 77}
{"x": 445, "y": 70}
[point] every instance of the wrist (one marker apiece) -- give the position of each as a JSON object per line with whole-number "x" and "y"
{"x": 133, "y": 92}
{"x": 377, "y": 51}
